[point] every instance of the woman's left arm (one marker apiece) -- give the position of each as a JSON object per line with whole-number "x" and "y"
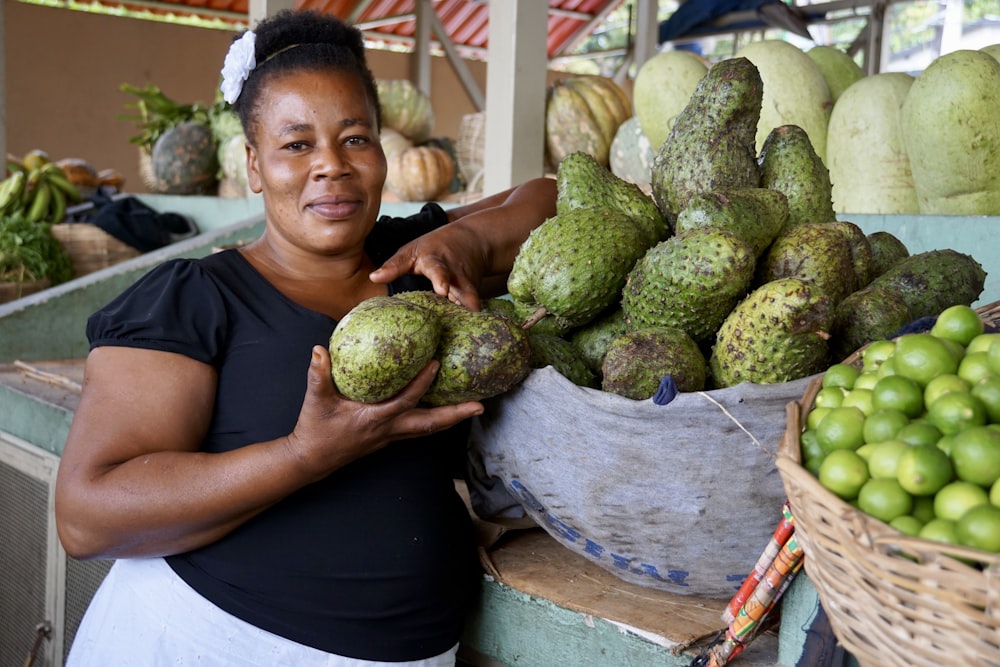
{"x": 479, "y": 243}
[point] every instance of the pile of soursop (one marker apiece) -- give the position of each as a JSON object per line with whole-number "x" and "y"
{"x": 734, "y": 270}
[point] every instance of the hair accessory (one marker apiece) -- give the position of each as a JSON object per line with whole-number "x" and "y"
{"x": 240, "y": 61}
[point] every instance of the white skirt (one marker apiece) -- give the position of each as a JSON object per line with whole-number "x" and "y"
{"x": 144, "y": 615}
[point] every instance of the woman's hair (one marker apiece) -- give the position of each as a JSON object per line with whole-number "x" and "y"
{"x": 292, "y": 40}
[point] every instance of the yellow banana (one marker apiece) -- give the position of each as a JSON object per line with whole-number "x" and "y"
{"x": 57, "y": 207}
{"x": 56, "y": 177}
{"x": 40, "y": 201}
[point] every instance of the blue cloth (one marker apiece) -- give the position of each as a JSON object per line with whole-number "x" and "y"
{"x": 691, "y": 15}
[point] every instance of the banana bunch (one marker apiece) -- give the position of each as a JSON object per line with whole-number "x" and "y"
{"x": 41, "y": 193}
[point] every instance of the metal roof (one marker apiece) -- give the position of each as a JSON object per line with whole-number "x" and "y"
{"x": 393, "y": 22}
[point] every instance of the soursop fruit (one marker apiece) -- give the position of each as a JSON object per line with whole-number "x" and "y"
{"x": 690, "y": 282}
{"x": 637, "y": 361}
{"x": 790, "y": 164}
{"x": 931, "y": 281}
{"x": 379, "y": 346}
{"x": 550, "y": 350}
{"x": 573, "y": 266}
{"x": 712, "y": 144}
{"x": 482, "y": 354}
{"x": 777, "y": 334}
{"x": 887, "y": 251}
{"x": 756, "y": 215}
{"x": 870, "y": 314}
{"x": 816, "y": 252}
{"x": 582, "y": 182}
{"x": 593, "y": 339}
{"x": 860, "y": 249}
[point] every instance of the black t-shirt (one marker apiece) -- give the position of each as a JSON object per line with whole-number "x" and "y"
{"x": 377, "y": 561}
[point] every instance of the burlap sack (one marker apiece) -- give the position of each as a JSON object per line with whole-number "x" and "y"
{"x": 680, "y": 497}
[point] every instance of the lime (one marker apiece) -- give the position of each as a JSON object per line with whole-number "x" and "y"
{"x": 923, "y": 469}
{"x": 886, "y": 368}
{"x": 923, "y": 508}
{"x": 981, "y": 343}
{"x": 919, "y": 432}
{"x": 975, "y": 366}
{"x": 975, "y": 453}
{"x": 942, "y": 384}
{"x": 994, "y": 356}
{"x": 922, "y": 357}
{"x": 810, "y": 445}
{"x": 955, "y": 498}
{"x": 876, "y": 352}
{"x": 907, "y": 524}
{"x": 980, "y": 528}
{"x": 956, "y": 411}
{"x": 896, "y": 392}
{"x": 830, "y": 397}
{"x": 945, "y": 442}
{"x": 995, "y": 493}
{"x": 939, "y": 530}
{"x": 841, "y": 428}
{"x": 987, "y": 390}
{"x": 959, "y": 323}
{"x": 860, "y": 399}
{"x": 843, "y": 472}
{"x": 866, "y": 380}
{"x": 840, "y": 375}
{"x": 883, "y": 458}
{"x": 815, "y": 416}
{"x": 883, "y": 425}
{"x": 884, "y": 499}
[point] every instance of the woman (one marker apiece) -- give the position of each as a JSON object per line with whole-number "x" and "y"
{"x": 258, "y": 517}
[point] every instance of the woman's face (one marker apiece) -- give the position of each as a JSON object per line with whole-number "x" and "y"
{"x": 318, "y": 160}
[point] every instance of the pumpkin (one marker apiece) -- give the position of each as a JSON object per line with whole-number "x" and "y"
{"x": 392, "y": 141}
{"x": 419, "y": 173}
{"x": 183, "y": 160}
{"x": 405, "y": 108}
{"x": 583, "y": 113}
{"x": 632, "y": 155}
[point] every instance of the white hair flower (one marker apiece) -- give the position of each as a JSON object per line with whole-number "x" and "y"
{"x": 240, "y": 61}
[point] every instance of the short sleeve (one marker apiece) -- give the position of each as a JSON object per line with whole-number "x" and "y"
{"x": 176, "y": 307}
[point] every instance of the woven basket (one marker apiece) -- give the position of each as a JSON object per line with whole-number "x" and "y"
{"x": 892, "y": 600}
{"x": 90, "y": 247}
{"x": 470, "y": 148}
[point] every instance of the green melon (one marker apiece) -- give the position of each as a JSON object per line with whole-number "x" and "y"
{"x": 869, "y": 167}
{"x": 795, "y": 92}
{"x": 993, "y": 50}
{"x": 184, "y": 161}
{"x": 662, "y": 88}
{"x": 632, "y": 155}
{"x": 406, "y": 109}
{"x": 839, "y": 69}
{"x": 952, "y": 134}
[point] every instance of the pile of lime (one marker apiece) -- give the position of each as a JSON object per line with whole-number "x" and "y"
{"x": 912, "y": 436}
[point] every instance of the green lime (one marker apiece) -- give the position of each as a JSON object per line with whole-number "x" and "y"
{"x": 841, "y": 428}
{"x": 994, "y": 356}
{"x": 860, "y": 399}
{"x": 876, "y": 353}
{"x": 987, "y": 390}
{"x": 810, "y": 445}
{"x": 975, "y": 366}
{"x": 955, "y": 498}
{"x": 896, "y": 392}
{"x": 956, "y": 411}
{"x": 995, "y": 493}
{"x": 939, "y": 530}
{"x": 883, "y": 425}
{"x": 975, "y": 453}
{"x": 830, "y": 397}
{"x": 919, "y": 432}
{"x": 941, "y": 385}
{"x": 843, "y": 472}
{"x": 923, "y": 469}
{"x": 979, "y": 528}
{"x": 945, "y": 442}
{"x": 840, "y": 375}
{"x": 981, "y": 343}
{"x": 923, "y": 508}
{"x": 907, "y": 524}
{"x": 884, "y": 499}
{"x": 883, "y": 458}
{"x": 922, "y": 357}
{"x": 815, "y": 416}
{"x": 886, "y": 368}
{"x": 866, "y": 380}
{"x": 959, "y": 323}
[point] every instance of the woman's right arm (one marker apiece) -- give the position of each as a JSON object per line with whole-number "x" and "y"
{"x": 132, "y": 483}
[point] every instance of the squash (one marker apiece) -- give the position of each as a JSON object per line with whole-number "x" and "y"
{"x": 405, "y": 108}
{"x": 392, "y": 141}
{"x": 419, "y": 173}
{"x": 632, "y": 155}
{"x": 663, "y": 87}
{"x": 183, "y": 160}
{"x": 583, "y": 113}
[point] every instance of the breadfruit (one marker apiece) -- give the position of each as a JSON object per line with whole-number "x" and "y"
{"x": 790, "y": 165}
{"x": 887, "y": 251}
{"x": 574, "y": 265}
{"x": 592, "y": 340}
{"x": 816, "y": 252}
{"x": 379, "y": 347}
{"x": 582, "y": 182}
{"x": 636, "y": 362}
{"x": 756, "y": 215}
{"x": 713, "y": 141}
{"x": 550, "y": 350}
{"x": 777, "y": 334}
{"x": 690, "y": 282}
{"x": 870, "y": 314}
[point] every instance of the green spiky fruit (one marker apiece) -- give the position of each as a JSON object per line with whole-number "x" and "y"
{"x": 777, "y": 334}
{"x": 816, "y": 252}
{"x": 756, "y": 215}
{"x": 592, "y": 340}
{"x": 550, "y": 350}
{"x": 789, "y": 164}
{"x": 929, "y": 282}
{"x": 870, "y": 314}
{"x": 690, "y": 282}
{"x": 887, "y": 251}
{"x": 637, "y": 361}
